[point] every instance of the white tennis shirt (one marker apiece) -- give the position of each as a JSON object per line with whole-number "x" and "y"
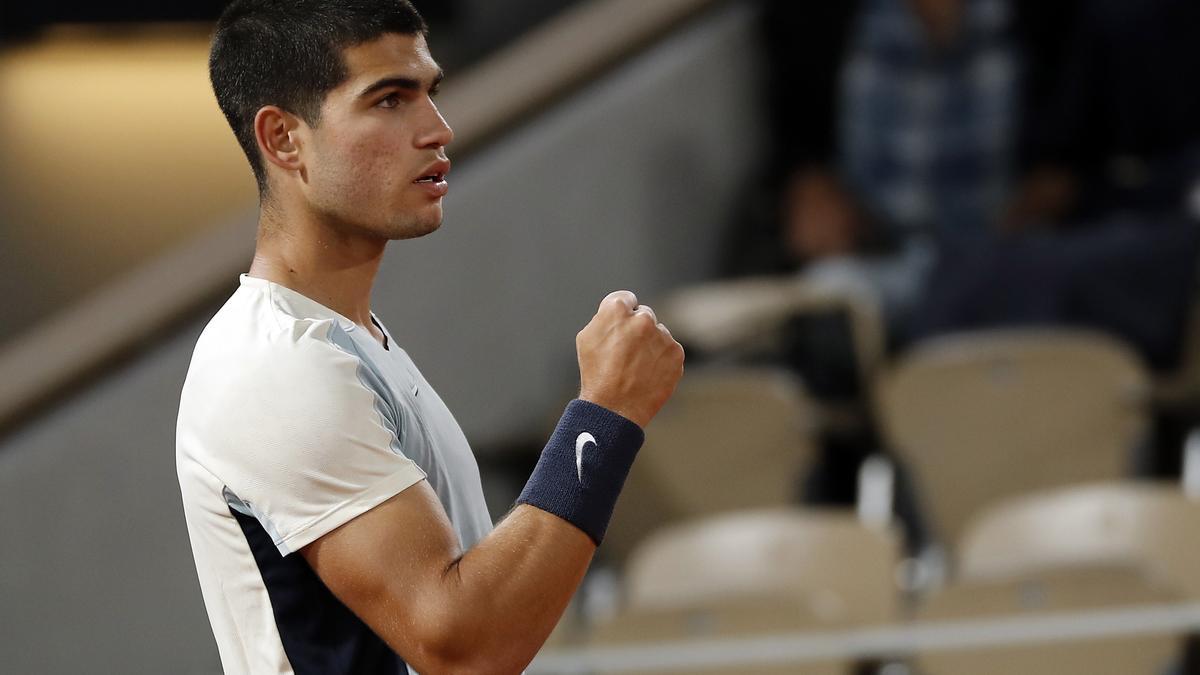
{"x": 292, "y": 421}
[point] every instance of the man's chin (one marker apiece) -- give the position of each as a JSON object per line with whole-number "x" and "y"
{"x": 416, "y": 229}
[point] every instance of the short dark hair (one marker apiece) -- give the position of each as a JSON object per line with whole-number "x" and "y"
{"x": 288, "y": 53}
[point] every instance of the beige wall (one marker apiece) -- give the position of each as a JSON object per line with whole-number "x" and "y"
{"x": 112, "y": 149}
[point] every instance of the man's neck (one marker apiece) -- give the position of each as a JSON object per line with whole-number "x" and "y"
{"x": 326, "y": 264}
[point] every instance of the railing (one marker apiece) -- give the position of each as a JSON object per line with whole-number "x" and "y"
{"x": 866, "y": 643}
{"x": 46, "y": 361}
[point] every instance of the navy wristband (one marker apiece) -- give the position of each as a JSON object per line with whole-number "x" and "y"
{"x": 583, "y": 467}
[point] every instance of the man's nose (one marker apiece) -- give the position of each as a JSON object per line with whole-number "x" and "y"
{"x": 437, "y": 132}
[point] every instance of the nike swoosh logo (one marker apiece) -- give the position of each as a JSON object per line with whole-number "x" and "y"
{"x": 580, "y": 441}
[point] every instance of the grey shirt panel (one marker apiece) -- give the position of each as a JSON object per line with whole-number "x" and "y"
{"x": 427, "y": 432}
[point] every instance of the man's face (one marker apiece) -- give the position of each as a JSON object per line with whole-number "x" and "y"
{"x": 376, "y": 163}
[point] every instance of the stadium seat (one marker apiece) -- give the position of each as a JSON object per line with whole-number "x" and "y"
{"x": 758, "y": 573}
{"x": 1150, "y": 525}
{"x": 728, "y": 439}
{"x": 984, "y": 416}
{"x": 1052, "y": 651}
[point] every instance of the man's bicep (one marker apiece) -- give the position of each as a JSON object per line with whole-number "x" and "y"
{"x": 389, "y": 564}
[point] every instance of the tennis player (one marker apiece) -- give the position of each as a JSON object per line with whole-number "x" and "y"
{"x": 333, "y": 504}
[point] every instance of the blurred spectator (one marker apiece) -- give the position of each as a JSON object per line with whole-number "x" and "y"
{"x": 1121, "y": 130}
{"x": 894, "y": 122}
{"x": 979, "y": 163}
{"x": 902, "y": 126}
{"x": 1108, "y": 206}
{"x": 894, "y": 125}
{"x": 1103, "y": 232}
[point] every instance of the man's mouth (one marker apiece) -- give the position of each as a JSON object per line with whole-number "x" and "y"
{"x": 435, "y": 173}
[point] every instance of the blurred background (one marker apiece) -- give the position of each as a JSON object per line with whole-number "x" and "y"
{"x": 934, "y": 263}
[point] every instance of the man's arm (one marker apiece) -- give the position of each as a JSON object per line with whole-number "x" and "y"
{"x": 399, "y": 567}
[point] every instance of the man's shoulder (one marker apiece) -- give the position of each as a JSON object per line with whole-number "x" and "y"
{"x": 252, "y": 337}
{"x": 261, "y": 378}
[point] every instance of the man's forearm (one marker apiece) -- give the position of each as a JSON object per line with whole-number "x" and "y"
{"x": 509, "y": 591}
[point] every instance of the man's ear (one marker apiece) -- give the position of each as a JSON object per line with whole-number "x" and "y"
{"x": 278, "y": 139}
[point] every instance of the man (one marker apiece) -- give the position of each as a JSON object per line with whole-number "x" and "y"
{"x": 329, "y": 493}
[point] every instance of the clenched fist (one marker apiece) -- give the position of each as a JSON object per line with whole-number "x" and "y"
{"x": 628, "y": 361}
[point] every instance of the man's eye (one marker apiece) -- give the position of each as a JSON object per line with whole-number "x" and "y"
{"x": 389, "y": 101}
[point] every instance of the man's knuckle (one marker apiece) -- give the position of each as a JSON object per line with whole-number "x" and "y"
{"x": 619, "y": 299}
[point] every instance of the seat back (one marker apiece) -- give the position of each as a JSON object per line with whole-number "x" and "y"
{"x": 730, "y": 438}
{"x": 757, "y": 573}
{"x": 1151, "y": 525}
{"x": 841, "y": 568}
{"x": 984, "y": 416}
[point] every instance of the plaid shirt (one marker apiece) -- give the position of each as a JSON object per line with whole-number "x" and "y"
{"x": 927, "y": 135}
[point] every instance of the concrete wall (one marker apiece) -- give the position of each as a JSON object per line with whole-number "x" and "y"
{"x": 627, "y": 184}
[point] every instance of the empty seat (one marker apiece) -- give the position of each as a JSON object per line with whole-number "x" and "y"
{"x": 730, "y": 438}
{"x": 1151, "y": 525}
{"x": 806, "y": 553}
{"x": 984, "y": 416}
{"x": 757, "y": 573}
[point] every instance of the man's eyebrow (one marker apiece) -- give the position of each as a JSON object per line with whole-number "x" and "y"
{"x": 400, "y": 82}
